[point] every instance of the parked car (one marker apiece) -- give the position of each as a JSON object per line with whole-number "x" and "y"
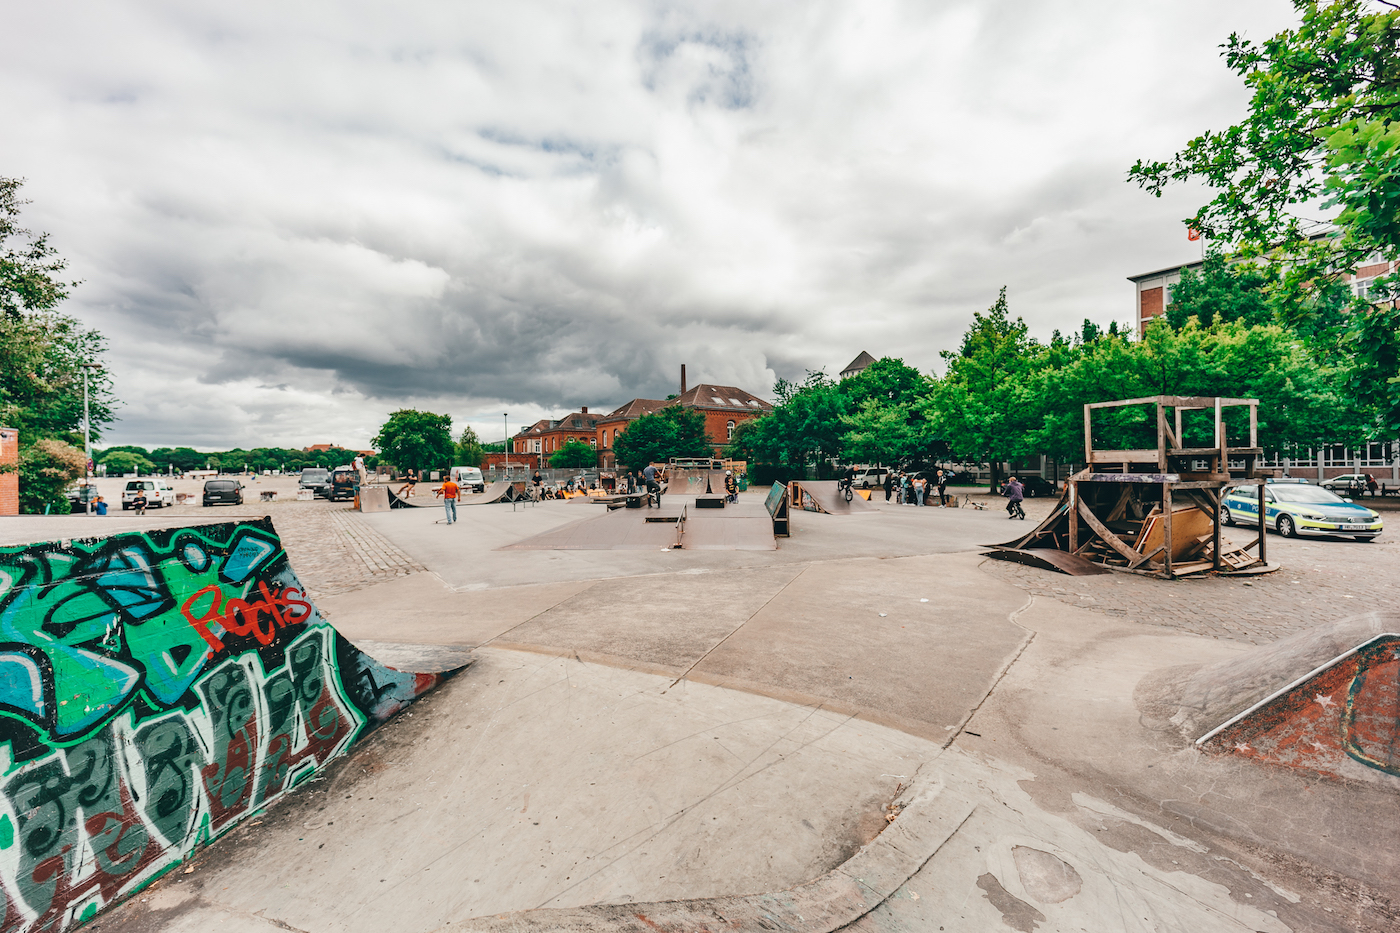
{"x": 80, "y": 494}
{"x": 159, "y": 493}
{"x": 316, "y": 479}
{"x": 344, "y": 481}
{"x": 1037, "y": 485}
{"x": 223, "y": 492}
{"x": 1299, "y": 509}
{"x": 866, "y": 477}
{"x": 1347, "y": 481}
{"x": 469, "y": 478}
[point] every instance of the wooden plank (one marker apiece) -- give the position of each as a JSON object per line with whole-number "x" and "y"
{"x": 1147, "y": 558}
{"x": 1158, "y": 399}
{"x": 1263, "y": 526}
{"x": 1122, "y": 456}
{"x": 1088, "y": 434}
{"x": 1072, "y": 493}
{"x": 1111, "y": 539}
{"x": 1161, "y": 438}
{"x": 1167, "y": 528}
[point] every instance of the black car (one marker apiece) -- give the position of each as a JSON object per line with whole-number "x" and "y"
{"x": 316, "y": 479}
{"x": 1037, "y": 486}
{"x": 223, "y": 492}
{"x": 344, "y": 484}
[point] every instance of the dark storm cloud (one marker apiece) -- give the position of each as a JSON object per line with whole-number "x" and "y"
{"x": 294, "y": 219}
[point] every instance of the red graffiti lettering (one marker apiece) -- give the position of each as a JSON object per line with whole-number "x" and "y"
{"x": 259, "y": 618}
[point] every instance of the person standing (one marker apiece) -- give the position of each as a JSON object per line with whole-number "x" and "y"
{"x": 920, "y": 484}
{"x": 942, "y": 490}
{"x": 449, "y": 491}
{"x": 99, "y": 506}
{"x": 139, "y": 503}
{"x": 731, "y": 486}
{"x": 889, "y": 485}
{"x": 903, "y": 487}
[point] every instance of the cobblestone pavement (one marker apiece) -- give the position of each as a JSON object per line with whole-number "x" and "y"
{"x": 1321, "y": 580}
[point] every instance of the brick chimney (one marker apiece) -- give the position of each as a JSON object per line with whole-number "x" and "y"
{"x": 682, "y": 379}
{"x": 585, "y": 409}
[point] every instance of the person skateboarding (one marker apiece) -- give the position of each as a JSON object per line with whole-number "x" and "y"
{"x": 1015, "y": 492}
{"x": 449, "y": 492}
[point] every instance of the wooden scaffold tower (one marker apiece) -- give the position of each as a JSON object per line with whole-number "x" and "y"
{"x": 1155, "y": 510}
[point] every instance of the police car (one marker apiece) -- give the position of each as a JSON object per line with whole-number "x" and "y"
{"x": 1300, "y": 509}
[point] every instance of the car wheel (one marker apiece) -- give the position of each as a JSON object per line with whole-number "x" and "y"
{"x": 1032, "y": 493}
{"x": 1225, "y": 515}
{"x": 1365, "y": 539}
{"x": 1285, "y": 527}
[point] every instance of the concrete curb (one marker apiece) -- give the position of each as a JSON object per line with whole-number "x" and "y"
{"x": 830, "y": 902}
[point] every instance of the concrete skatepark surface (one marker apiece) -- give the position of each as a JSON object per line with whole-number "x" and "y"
{"x": 1053, "y": 790}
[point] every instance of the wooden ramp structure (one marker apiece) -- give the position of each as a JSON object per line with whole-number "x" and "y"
{"x": 1152, "y": 511}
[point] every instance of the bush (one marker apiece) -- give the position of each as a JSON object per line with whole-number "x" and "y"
{"x": 46, "y": 468}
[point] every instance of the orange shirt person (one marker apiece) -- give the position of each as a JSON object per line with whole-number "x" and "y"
{"x": 449, "y": 491}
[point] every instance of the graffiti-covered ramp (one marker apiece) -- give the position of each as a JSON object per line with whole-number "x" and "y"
{"x": 157, "y": 688}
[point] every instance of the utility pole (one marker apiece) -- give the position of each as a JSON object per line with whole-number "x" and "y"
{"x": 505, "y": 445}
{"x": 87, "y": 440}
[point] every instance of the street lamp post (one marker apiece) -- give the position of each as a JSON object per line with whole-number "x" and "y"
{"x": 87, "y": 440}
{"x": 505, "y": 426}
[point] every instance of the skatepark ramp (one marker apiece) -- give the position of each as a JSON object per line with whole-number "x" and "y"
{"x": 498, "y": 491}
{"x": 158, "y": 687}
{"x": 1326, "y": 701}
{"x": 826, "y": 496}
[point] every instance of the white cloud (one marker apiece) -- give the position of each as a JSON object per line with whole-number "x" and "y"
{"x": 294, "y": 219}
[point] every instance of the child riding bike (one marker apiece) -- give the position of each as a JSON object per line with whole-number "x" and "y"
{"x": 1014, "y": 491}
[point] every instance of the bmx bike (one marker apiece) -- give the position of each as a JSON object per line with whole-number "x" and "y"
{"x": 844, "y": 487}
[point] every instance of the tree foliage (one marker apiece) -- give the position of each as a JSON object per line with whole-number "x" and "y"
{"x": 46, "y": 468}
{"x": 416, "y": 439}
{"x": 468, "y": 450}
{"x": 119, "y": 462}
{"x": 671, "y": 432}
{"x": 574, "y": 455}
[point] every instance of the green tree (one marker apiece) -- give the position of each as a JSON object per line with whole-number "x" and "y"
{"x": 886, "y": 433}
{"x": 119, "y": 462}
{"x": 1221, "y": 293}
{"x": 468, "y": 451}
{"x": 418, "y": 439}
{"x": 574, "y": 455}
{"x": 805, "y": 426}
{"x": 671, "y": 432}
{"x": 1321, "y": 125}
{"x": 982, "y": 405}
{"x": 886, "y": 380}
{"x": 42, "y": 353}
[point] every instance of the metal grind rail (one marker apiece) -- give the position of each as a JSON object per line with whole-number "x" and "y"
{"x": 680, "y": 526}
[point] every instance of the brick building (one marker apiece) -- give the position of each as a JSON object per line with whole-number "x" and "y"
{"x": 614, "y": 424}
{"x": 724, "y": 408}
{"x": 1154, "y": 292}
{"x": 547, "y": 435}
{"x": 498, "y": 460}
{"x": 9, "y": 481}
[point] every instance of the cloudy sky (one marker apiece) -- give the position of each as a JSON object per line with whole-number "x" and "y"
{"x": 292, "y": 219}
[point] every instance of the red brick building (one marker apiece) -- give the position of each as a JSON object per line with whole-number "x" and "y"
{"x": 547, "y": 435}
{"x": 724, "y": 408}
{"x": 614, "y": 424}
{"x": 495, "y": 460}
{"x": 9, "y": 481}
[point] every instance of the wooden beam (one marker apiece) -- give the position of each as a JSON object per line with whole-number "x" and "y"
{"x": 1216, "y": 528}
{"x": 1109, "y": 538}
{"x": 1122, "y": 456}
{"x": 1073, "y": 500}
{"x": 1263, "y": 526}
{"x": 1151, "y": 399}
{"x": 1167, "y": 528}
{"x": 1088, "y": 434}
{"x": 1161, "y": 438}
{"x": 1146, "y": 558}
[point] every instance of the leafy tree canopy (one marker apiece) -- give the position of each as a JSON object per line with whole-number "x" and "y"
{"x": 417, "y": 439}
{"x": 1221, "y": 293}
{"x": 671, "y": 432}
{"x": 123, "y": 461}
{"x": 468, "y": 451}
{"x": 574, "y": 455}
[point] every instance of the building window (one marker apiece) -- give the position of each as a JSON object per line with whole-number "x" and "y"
{"x": 593, "y": 442}
{"x": 730, "y": 427}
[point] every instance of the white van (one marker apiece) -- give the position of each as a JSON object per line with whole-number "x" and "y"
{"x": 469, "y": 478}
{"x": 159, "y": 493}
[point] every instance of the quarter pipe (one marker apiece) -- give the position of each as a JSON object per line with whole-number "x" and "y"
{"x": 495, "y": 492}
{"x": 825, "y": 496}
{"x": 156, "y": 688}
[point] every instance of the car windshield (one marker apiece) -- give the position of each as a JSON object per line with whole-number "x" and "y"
{"x": 313, "y": 474}
{"x": 219, "y": 485}
{"x": 1313, "y": 494}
